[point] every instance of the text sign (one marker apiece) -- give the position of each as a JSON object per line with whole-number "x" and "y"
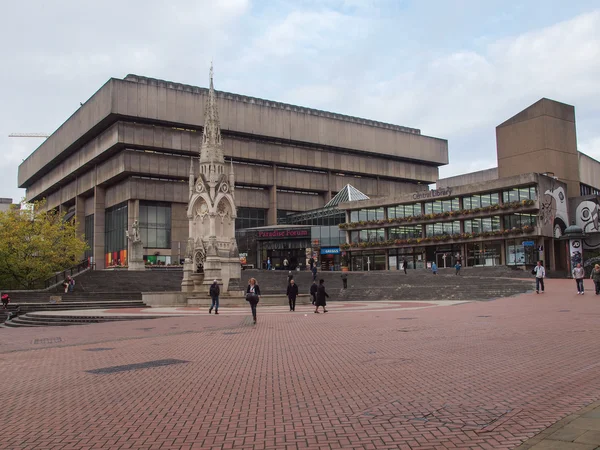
{"x": 432, "y": 194}
{"x": 284, "y": 234}
{"x": 330, "y": 251}
{"x": 528, "y": 243}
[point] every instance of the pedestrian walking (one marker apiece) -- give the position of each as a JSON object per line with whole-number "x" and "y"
{"x": 313, "y": 292}
{"x": 292, "y": 293}
{"x": 71, "y": 281}
{"x": 596, "y": 277}
{"x": 457, "y": 266}
{"x": 314, "y": 272}
{"x": 290, "y": 277}
{"x": 253, "y": 296}
{"x": 286, "y": 263}
{"x": 5, "y": 300}
{"x": 579, "y": 275}
{"x": 404, "y": 265}
{"x": 214, "y": 292}
{"x": 321, "y": 297}
{"x": 540, "y": 273}
{"x": 345, "y": 280}
{"x": 311, "y": 263}
{"x": 268, "y": 263}
{"x": 434, "y": 268}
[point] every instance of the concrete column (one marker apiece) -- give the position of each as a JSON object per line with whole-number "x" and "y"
{"x": 328, "y": 195}
{"x": 133, "y": 212}
{"x": 272, "y": 211}
{"x": 99, "y": 218}
{"x": 80, "y": 217}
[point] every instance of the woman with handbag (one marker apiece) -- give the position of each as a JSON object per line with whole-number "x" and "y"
{"x": 252, "y": 296}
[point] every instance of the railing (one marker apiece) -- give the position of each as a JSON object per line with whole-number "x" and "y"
{"x": 59, "y": 277}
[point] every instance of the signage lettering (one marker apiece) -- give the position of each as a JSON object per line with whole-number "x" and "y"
{"x": 330, "y": 251}
{"x": 283, "y": 234}
{"x": 432, "y": 194}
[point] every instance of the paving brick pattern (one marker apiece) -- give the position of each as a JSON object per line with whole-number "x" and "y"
{"x": 475, "y": 375}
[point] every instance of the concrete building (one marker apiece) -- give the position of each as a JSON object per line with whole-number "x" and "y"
{"x": 125, "y": 155}
{"x": 6, "y": 204}
{"x": 513, "y": 214}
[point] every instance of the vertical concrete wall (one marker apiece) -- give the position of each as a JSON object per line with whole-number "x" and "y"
{"x": 99, "y": 223}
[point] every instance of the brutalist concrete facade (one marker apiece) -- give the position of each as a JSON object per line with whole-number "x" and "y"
{"x": 132, "y": 140}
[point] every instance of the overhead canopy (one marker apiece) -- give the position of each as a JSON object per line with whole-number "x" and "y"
{"x": 347, "y": 194}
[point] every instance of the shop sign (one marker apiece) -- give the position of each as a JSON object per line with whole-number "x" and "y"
{"x": 284, "y": 234}
{"x": 330, "y": 251}
{"x": 432, "y": 194}
{"x": 243, "y": 257}
{"x": 528, "y": 243}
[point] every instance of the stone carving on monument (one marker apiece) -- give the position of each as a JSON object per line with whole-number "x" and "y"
{"x": 135, "y": 248}
{"x": 211, "y": 252}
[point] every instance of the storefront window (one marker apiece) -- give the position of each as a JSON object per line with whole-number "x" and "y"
{"x": 440, "y": 206}
{"x": 519, "y": 221}
{"x": 376, "y": 235}
{"x": 155, "y": 224}
{"x": 484, "y": 253}
{"x": 520, "y": 252}
{"x": 401, "y": 211}
{"x": 415, "y": 231}
{"x": 482, "y": 225}
{"x": 480, "y": 201}
{"x": 519, "y": 194}
{"x": 363, "y": 261}
{"x": 441, "y": 228}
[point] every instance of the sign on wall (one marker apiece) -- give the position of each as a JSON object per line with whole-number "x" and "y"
{"x": 432, "y": 194}
{"x": 284, "y": 234}
{"x": 330, "y": 251}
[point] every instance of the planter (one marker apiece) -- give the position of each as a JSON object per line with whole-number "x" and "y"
{"x": 344, "y": 269}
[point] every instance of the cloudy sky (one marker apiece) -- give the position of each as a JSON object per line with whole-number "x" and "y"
{"x": 453, "y": 68}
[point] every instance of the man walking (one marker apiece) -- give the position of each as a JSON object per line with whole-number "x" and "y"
{"x": 313, "y": 292}
{"x": 290, "y": 277}
{"x": 579, "y": 274}
{"x": 540, "y": 274}
{"x": 314, "y": 272}
{"x": 292, "y": 293}
{"x": 405, "y": 265}
{"x": 214, "y": 292}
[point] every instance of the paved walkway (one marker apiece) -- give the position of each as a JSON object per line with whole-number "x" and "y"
{"x": 473, "y": 375}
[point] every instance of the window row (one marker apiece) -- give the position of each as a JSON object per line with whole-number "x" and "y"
{"x": 518, "y": 195}
{"x": 480, "y": 201}
{"x": 250, "y": 218}
{"x": 367, "y": 214}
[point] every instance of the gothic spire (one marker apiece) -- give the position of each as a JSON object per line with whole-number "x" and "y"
{"x": 211, "y": 137}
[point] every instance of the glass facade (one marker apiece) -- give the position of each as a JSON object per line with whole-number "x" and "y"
{"x": 89, "y": 235}
{"x": 282, "y": 216}
{"x": 484, "y": 253}
{"x": 155, "y": 224}
{"x": 519, "y": 252}
{"x": 401, "y": 211}
{"x": 250, "y": 218}
{"x": 519, "y": 221}
{"x": 406, "y": 232}
{"x": 440, "y": 228}
{"x": 376, "y": 235}
{"x": 480, "y": 201}
{"x": 482, "y": 225}
{"x": 371, "y": 260}
{"x": 115, "y": 241}
{"x": 329, "y": 236}
{"x": 440, "y": 206}
{"x": 367, "y": 214}
{"x": 519, "y": 194}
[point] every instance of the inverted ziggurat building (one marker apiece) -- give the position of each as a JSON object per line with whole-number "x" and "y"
{"x": 125, "y": 155}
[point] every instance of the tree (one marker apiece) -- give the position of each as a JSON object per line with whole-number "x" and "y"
{"x": 35, "y": 244}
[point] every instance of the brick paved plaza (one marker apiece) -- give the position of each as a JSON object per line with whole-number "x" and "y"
{"x": 472, "y": 375}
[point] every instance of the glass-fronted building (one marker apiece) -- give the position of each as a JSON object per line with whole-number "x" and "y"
{"x": 510, "y": 221}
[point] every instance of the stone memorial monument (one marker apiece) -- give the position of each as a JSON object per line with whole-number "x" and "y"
{"x": 135, "y": 250}
{"x": 211, "y": 251}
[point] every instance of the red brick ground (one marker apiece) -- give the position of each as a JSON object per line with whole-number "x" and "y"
{"x": 477, "y": 375}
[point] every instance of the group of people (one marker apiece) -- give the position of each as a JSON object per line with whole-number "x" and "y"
{"x": 69, "y": 284}
{"x": 578, "y": 275}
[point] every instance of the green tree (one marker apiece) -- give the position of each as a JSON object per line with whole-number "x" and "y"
{"x": 35, "y": 244}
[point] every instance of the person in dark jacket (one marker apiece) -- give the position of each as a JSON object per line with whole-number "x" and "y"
{"x": 314, "y": 272}
{"x": 313, "y": 292}
{"x": 321, "y": 295}
{"x": 405, "y": 265}
{"x": 290, "y": 277}
{"x": 292, "y": 293}
{"x": 253, "y": 296}
{"x": 214, "y": 292}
